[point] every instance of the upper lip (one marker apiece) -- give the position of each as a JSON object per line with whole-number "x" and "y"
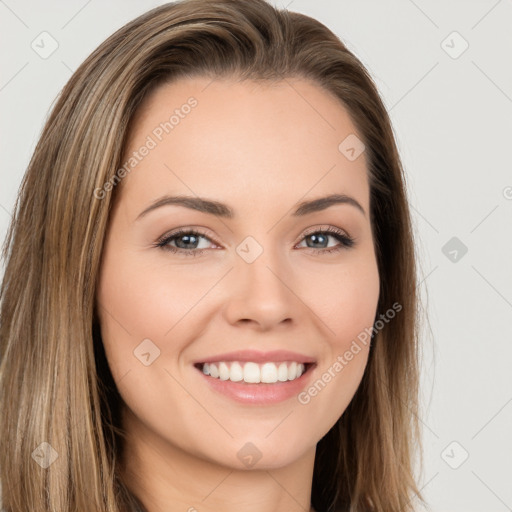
{"x": 259, "y": 357}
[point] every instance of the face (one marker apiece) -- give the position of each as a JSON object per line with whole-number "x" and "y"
{"x": 182, "y": 284}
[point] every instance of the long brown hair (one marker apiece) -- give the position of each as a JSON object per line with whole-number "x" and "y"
{"x": 55, "y": 384}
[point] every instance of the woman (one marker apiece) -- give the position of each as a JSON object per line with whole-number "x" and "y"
{"x": 268, "y": 372}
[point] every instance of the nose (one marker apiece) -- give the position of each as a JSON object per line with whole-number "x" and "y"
{"x": 262, "y": 294}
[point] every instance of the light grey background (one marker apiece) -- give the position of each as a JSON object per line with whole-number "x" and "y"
{"x": 452, "y": 116}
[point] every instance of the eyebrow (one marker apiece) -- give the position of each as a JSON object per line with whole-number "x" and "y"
{"x": 222, "y": 210}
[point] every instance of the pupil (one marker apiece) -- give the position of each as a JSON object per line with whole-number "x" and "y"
{"x": 317, "y": 237}
{"x": 187, "y": 239}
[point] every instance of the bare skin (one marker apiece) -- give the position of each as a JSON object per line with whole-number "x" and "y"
{"x": 261, "y": 149}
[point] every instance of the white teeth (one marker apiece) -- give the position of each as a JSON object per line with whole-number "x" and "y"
{"x": 282, "y": 372}
{"x": 268, "y": 373}
{"x": 214, "y": 371}
{"x": 236, "y": 372}
{"x": 292, "y": 371}
{"x": 223, "y": 371}
{"x": 254, "y": 373}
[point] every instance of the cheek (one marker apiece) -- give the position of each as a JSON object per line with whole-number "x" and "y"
{"x": 346, "y": 298}
{"x": 347, "y": 305}
{"x": 140, "y": 299}
{"x": 143, "y": 299}
{"x": 128, "y": 308}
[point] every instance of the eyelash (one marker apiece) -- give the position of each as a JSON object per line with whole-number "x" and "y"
{"x": 346, "y": 242}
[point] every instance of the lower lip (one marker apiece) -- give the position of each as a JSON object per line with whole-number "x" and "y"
{"x": 262, "y": 393}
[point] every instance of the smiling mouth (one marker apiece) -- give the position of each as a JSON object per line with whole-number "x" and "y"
{"x": 255, "y": 373}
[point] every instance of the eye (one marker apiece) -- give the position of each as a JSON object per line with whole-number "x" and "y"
{"x": 321, "y": 236}
{"x": 187, "y": 240}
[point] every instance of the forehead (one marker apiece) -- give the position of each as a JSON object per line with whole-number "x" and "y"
{"x": 254, "y": 141}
